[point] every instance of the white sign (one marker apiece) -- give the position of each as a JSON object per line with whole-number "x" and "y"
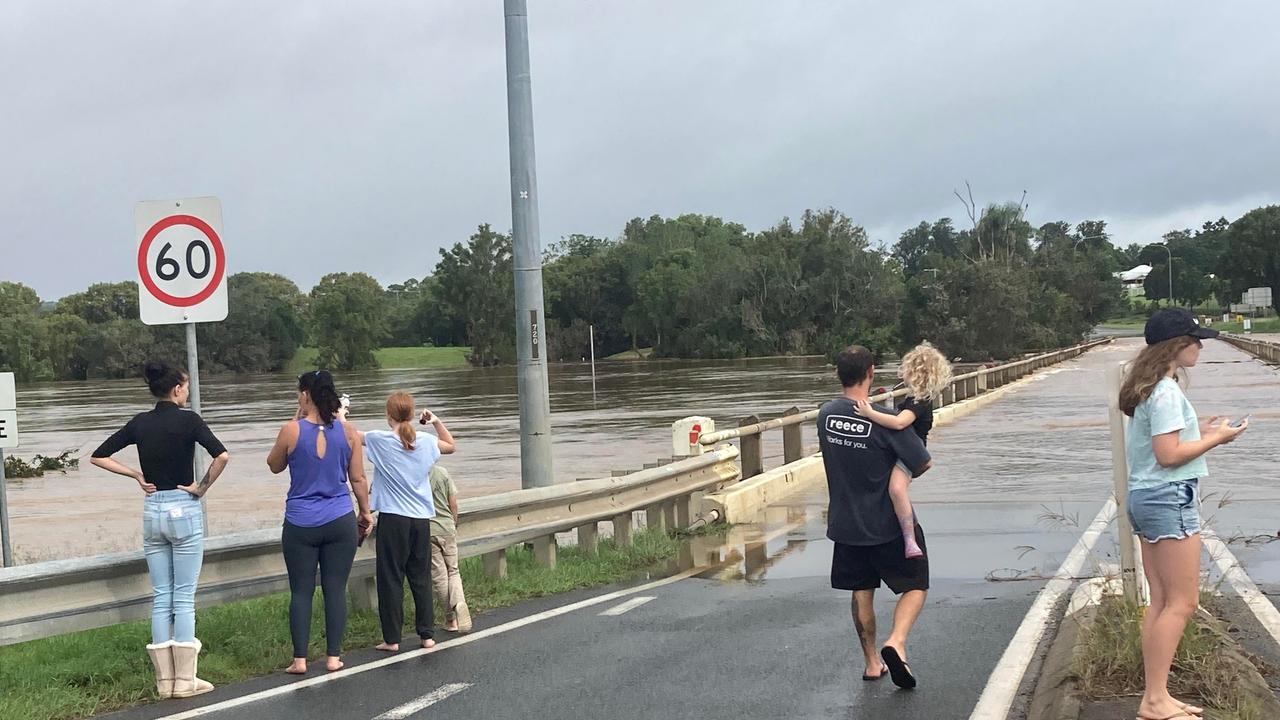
{"x": 182, "y": 265}
{"x": 8, "y": 412}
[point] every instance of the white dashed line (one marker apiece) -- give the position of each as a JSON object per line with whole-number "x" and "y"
{"x": 403, "y": 711}
{"x": 627, "y": 606}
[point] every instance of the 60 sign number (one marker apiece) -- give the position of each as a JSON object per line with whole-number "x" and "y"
{"x": 167, "y": 268}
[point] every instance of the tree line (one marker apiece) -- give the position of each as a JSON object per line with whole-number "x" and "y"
{"x": 692, "y": 286}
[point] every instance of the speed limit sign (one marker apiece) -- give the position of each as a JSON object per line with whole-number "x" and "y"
{"x": 182, "y": 264}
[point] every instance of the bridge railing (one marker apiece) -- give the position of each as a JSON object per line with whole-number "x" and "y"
{"x": 60, "y": 596}
{"x": 963, "y": 387}
{"x": 1263, "y": 349}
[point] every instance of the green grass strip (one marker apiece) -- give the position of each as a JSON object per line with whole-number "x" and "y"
{"x": 96, "y": 671}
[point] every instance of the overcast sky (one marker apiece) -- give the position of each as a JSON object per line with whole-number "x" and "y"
{"x": 365, "y": 136}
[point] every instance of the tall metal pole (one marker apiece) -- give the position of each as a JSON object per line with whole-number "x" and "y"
{"x": 531, "y": 365}
{"x": 193, "y": 373}
{"x": 593, "y": 361}
{"x": 6, "y": 552}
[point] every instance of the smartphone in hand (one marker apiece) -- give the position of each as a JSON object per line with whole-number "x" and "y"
{"x": 1241, "y": 421}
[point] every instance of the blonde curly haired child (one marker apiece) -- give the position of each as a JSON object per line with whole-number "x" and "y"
{"x": 926, "y": 373}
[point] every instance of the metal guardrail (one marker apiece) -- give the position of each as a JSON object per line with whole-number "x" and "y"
{"x": 1262, "y": 349}
{"x": 60, "y": 596}
{"x": 962, "y": 387}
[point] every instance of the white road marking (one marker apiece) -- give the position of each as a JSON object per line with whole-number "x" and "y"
{"x": 627, "y": 606}
{"x": 1244, "y": 586}
{"x": 403, "y": 711}
{"x": 414, "y": 654}
{"x": 1002, "y": 686}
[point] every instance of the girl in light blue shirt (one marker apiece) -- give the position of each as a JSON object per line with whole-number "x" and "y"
{"x": 1165, "y": 446}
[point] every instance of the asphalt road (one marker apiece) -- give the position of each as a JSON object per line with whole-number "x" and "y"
{"x": 762, "y": 635}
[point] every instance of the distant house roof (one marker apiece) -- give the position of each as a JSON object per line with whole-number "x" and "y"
{"x": 1139, "y": 273}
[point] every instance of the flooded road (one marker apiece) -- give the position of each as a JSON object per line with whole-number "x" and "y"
{"x": 622, "y": 426}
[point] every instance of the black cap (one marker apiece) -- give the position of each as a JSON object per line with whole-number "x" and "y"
{"x": 1175, "y": 322}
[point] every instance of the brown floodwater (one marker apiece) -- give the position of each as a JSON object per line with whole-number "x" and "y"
{"x": 622, "y": 425}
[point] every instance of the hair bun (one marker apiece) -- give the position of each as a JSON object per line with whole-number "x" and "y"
{"x": 154, "y": 371}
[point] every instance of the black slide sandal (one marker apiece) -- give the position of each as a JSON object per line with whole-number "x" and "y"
{"x": 898, "y": 669}
{"x": 883, "y": 669}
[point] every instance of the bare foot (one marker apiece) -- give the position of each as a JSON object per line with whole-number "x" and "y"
{"x": 387, "y": 647}
{"x": 1188, "y": 707}
{"x": 333, "y": 664}
{"x": 1165, "y": 707}
{"x": 297, "y": 667}
{"x": 428, "y": 643}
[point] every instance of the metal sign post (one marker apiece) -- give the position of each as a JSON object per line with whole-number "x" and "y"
{"x": 182, "y": 276}
{"x": 8, "y": 439}
{"x": 4, "y": 518}
{"x": 1131, "y": 575}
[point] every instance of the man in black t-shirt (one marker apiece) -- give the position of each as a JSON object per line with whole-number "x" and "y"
{"x": 859, "y": 456}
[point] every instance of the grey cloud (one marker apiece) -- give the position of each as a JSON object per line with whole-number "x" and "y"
{"x": 345, "y": 136}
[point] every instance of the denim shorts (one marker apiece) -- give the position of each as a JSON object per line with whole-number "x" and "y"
{"x": 1168, "y": 511}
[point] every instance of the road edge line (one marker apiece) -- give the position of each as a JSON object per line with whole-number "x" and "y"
{"x": 1006, "y": 678}
{"x": 1266, "y": 613}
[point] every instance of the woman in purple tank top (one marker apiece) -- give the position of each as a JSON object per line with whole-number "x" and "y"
{"x": 326, "y": 463}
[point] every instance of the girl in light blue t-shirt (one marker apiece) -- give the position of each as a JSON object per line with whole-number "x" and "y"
{"x": 1165, "y": 446}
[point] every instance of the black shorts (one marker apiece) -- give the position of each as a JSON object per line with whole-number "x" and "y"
{"x": 864, "y": 567}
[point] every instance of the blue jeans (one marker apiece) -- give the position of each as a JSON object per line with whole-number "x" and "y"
{"x": 173, "y": 540}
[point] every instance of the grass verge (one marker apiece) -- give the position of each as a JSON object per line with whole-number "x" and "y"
{"x": 393, "y": 358}
{"x": 1206, "y": 668}
{"x": 96, "y": 671}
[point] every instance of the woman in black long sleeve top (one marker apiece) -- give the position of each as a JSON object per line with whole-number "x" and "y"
{"x": 172, "y": 520}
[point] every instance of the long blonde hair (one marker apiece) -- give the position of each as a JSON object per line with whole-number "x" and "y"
{"x": 400, "y": 409}
{"x": 926, "y": 371}
{"x": 1144, "y": 372}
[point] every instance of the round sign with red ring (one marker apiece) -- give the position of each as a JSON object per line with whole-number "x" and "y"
{"x": 219, "y": 259}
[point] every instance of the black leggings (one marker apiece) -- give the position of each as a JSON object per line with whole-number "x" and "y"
{"x": 404, "y": 549}
{"x": 332, "y": 546}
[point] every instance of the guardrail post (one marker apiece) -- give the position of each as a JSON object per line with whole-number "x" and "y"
{"x": 752, "y": 450}
{"x": 495, "y": 564}
{"x": 949, "y": 396}
{"x": 364, "y": 593}
{"x": 653, "y": 517}
{"x": 792, "y": 440}
{"x": 589, "y": 538}
{"x": 544, "y": 551}
{"x": 684, "y": 511}
{"x": 622, "y": 530}
{"x": 982, "y": 380}
{"x": 669, "y": 515}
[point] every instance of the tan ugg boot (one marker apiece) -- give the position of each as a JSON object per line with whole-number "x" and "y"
{"x": 162, "y": 658}
{"x": 464, "y": 617}
{"x": 185, "y": 682}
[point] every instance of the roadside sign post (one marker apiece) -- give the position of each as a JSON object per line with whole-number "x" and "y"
{"x": 182, "y": 274}
{"x": 8, "y": 439}
{"x": 1131, "y": 574}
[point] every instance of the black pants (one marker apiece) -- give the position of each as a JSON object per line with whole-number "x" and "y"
{"x": 332, "y": 547}
{"x": 404, "y": 549}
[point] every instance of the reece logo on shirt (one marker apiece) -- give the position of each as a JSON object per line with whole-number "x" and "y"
{"x": 850, "y": 427}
